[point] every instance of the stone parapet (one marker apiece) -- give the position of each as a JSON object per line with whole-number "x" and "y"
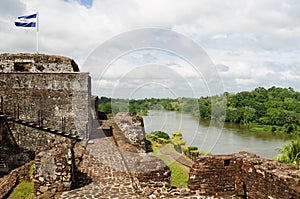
{"x": 133, "y": 128}
{"x": 244, "y": 174}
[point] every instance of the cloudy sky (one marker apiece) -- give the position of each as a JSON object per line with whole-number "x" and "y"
{"x": 250, "y": 43}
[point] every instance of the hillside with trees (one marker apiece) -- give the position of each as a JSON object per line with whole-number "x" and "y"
{"x": 274, "y": 109}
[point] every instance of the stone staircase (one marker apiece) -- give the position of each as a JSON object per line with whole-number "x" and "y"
{"x": 41, "y": 128}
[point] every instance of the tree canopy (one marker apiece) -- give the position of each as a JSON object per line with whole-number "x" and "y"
{"x": 276, "y": 107}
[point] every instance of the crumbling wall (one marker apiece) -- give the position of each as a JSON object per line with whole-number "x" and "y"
{"x": 269, "y": 179}
{"x": 245, "y": 175}
{"x": 133, "y": 129}
{"x": 36, "y": 63}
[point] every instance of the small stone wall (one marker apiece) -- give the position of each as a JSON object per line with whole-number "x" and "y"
{"x": 245, "y": 175}
{"x": 133, "y": 129}
{"x": 150, "y": 170}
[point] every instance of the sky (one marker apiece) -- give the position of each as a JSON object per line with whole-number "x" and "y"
{"x": 165, "y": 48}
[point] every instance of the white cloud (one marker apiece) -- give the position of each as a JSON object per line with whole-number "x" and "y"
{"x": 290, "y": 76}
{"x": 246, "y": 82}
{"x": 258, "y": 41}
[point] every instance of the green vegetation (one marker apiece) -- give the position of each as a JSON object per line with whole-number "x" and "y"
{"x": 23, "y": 190}
{"x": 160, "y": 134}
{"x": 275, "y": 109}
{"x": 177, "y": 141}
{"x": 32, "y": 170}
{"x": 192, "y": 152}
{"x": 179, "y": 173}
{"x": 160, "y": 137}
{"x": 290, "y": 154}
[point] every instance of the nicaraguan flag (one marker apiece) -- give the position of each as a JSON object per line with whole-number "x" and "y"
{"x": 27, "y": 21}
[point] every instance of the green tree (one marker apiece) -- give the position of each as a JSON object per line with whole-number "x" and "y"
{"x": 248, "y": 115}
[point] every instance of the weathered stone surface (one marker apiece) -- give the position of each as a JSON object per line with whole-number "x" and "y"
{"x": 49, "y": 92}
{"x": 133, "y": 128}
{"x": 43, "y": 189}
{"x": 58, "y": 101}
{"x": 244, "y": 174}
{"x": 36, "y": 63}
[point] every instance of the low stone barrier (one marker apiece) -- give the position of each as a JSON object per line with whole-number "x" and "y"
{"x": 245, "y": 175}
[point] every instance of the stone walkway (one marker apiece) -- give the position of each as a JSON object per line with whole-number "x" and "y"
{"x": 108, "y": 172}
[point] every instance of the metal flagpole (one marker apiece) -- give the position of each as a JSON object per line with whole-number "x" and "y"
{"x": 37, "y": 32}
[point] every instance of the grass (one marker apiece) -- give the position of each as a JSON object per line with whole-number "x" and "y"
{"x": 179, "y": 173}
{"x": 271, "y": 128}
{"x": 258, "y": 127}
{"x": 24, "y": 190}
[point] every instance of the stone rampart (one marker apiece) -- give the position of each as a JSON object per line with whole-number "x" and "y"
{"x": 245, "y": 175}
{"x": 133, "y": 129}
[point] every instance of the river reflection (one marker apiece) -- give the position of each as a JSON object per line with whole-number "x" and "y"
{"x": 229, "y": 139}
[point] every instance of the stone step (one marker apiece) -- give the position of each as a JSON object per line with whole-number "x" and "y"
{"x": 42, "y": 128}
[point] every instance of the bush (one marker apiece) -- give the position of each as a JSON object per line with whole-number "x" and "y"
{"x": 161, "y": 134}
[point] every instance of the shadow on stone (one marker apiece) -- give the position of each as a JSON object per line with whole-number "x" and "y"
{"x": 82, "y": 180}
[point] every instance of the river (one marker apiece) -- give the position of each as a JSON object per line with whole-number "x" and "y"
{"x": 229, "y": 139}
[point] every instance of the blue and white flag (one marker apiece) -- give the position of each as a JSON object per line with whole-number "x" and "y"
{"x": 27, "y": 21}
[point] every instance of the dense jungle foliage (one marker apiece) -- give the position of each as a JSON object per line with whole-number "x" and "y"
{"x": 274, "y": 109}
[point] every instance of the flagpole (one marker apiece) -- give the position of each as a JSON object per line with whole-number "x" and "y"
{"x": 37, "y": 33}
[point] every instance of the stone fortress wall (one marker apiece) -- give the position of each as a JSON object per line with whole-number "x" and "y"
{"x": 50, "y": 92}
{"x": 56, "y": 100}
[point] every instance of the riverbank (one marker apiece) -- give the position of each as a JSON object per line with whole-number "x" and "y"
{"x": 232, "y": 138}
